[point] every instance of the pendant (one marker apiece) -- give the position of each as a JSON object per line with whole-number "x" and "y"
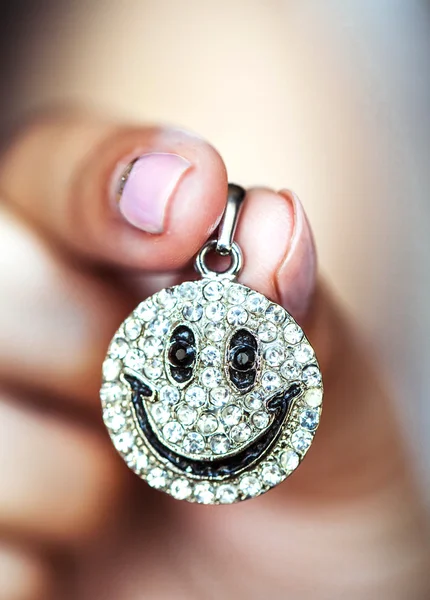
{"x": 211, "y": 392}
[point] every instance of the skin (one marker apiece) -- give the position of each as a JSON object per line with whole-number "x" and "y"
{"x": 348, "y": 524}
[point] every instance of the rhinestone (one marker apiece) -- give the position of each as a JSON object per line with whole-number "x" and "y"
{"x": 275, "y": 314}
{"x": 160, "y": 413}
{"x": 135, "y": 359}
{"x": 169, "y": 394}
{"x": 254, "y": 401}
{"x": 146, "y": 311}
{"x": 159, "y": 326}
{"x": 112, "y": 393}
{"x": 173, "y": 432}
{"x": 271, "y": 474}
{"x": 137, "y": 460}
{"x": 219, "y": 396}
{"x": 193, "y": 443}
{"x": 271, "y": 381}
{"x": 313, "y": 397}
{"x": 256, "y": 303}
{"x": 312, "y": 376}
{"x": 236, "y": 294}
{"x": 157, "y": 478}
{"x": 111, "y": 369}
{"x": 180, "y": 489}
{"x": 186, "y": 415}
{"x": 261, "y": 419}
{"x": 215, "y": 311}
{"x": 214, "y": 333}
{"x": 289, "y": 460}
{"x": 210, "y": 377}
{"x": 267, "y": 332}
{"x": 207, "y": 423}
{"x": 309, "y": 419}
{"x": 250, "y": 485}
{"x": 123, "y": 442}
{"x": 226, "y": 493}
{"x": 152, "y": 346}
{"x": 219, "y": 443}
{"x": 153, "y": 368}
{"x": 240, "y": 433}
{"x": 166, "y": 299}
{"x": 187, "y": 290}
{"x": 118, "y": 348}
{"x": 303, "y": 353}
{"x": 237, "y": 316}
{"x": 195, "y": 396}
{"x": 292, "y": 333}
{"x": 210, "y": 355}
{"x": 132, "y": 329}
{"x": 231, "y": 415}
{"x": 203, "y": 493}
{"x": 113, "y": 419}
{"x": 192, "y": 312}
{"x": 301, "y": 440}
{"x": 213, "y": 290}
{"x": 290, "y": 369}
{"x": 274, "y": 355}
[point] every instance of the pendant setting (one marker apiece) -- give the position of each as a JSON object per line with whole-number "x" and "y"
{"x": 211, "y": 392}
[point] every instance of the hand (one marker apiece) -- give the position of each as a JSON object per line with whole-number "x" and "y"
{"x": 348, "y": 524}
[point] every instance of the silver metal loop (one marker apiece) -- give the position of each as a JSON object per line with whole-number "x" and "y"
{"x": 227, "y": 227}
{"x": 233, "y": 269}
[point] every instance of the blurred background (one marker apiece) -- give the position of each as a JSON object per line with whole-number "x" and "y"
{"x": 328, "y": 98}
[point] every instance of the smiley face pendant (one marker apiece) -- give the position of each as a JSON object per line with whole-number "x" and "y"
{"x": 211, "y": 392}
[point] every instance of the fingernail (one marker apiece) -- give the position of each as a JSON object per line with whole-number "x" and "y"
{"x": 147, "y": 187}
{"x": 296, "y": 277}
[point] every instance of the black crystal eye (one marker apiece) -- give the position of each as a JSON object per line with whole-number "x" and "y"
{"x": 182, "y": 353}
{"x": 242, "y": 359}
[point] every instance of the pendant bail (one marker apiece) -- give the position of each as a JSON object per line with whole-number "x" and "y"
{"x": 228, "y": 224}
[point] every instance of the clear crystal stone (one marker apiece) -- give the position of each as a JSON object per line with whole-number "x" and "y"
{"x": 231, "y": 415}
{"x": 160, "y": 413}
{"x": 292, "y": 333}
{"x": 237, "y": 316}
{"x": 271, "y": 381}
{"x": 169, "y": 394}
{"x": 186, "y": 415}
{"x": 250, "y": 486}
{"x": 159, "y": 326}
{"x": 267, "y": 332}
{"x": 123, "y": 442}
{"x": 260, "y": 419}
{"x": 289, "y": 460}
{"x": 118, "y": 348}
{"x": 187, "y": 290}
{"x": 274, "y": 355}
{"x": 192, "y": 311}
{"x": 180, "y": 489}
{"x": 173, "y": 432}
{"x": 271, "y": 474}
{"x": 254, "y": 401}
{"x": 213, "y": 290}
{"x": 236, "y": 294}
{"x": 214, "y": 332}
{"x": 132, "y": 329}
{"x": 219, "y": 396}
{"x": 226, "y": 493}
{"x": 301, "y": 440}
{"x": 111, "y": 369}
{"x": 167, "y": 299}
{"x": 313, "y": 397}
{"x": 303, "y": 353}
{"x": 193, "y": 443}
{"x": 220, "y": 443}
{"x": 153, "y": 368}
{"x": 207, "y": 423}
{"x": 137, "y": 460}
{"x": 135, "y": 359}
{"x": 215, "y": 311}
{"x": 240, "y": 433}
{"x": 210, "y": 355}
{"x": 113, "y": 419}
{"x": 291, "y": 369}
{"x": 146, "y": 311}
{"x": 112, "y": 393}
{"x": 195, "y": 396}
{"x": 275, "y": 314}
{"x": 157, "y": 478}
{"x": 309, "y": 419}
{"x": 204, "y": 493}
{"x": 152, "y": 346}
{"x": 312, "y": 376}
{"x": 256, "y": 303}
{"x": 210, "y": 377}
